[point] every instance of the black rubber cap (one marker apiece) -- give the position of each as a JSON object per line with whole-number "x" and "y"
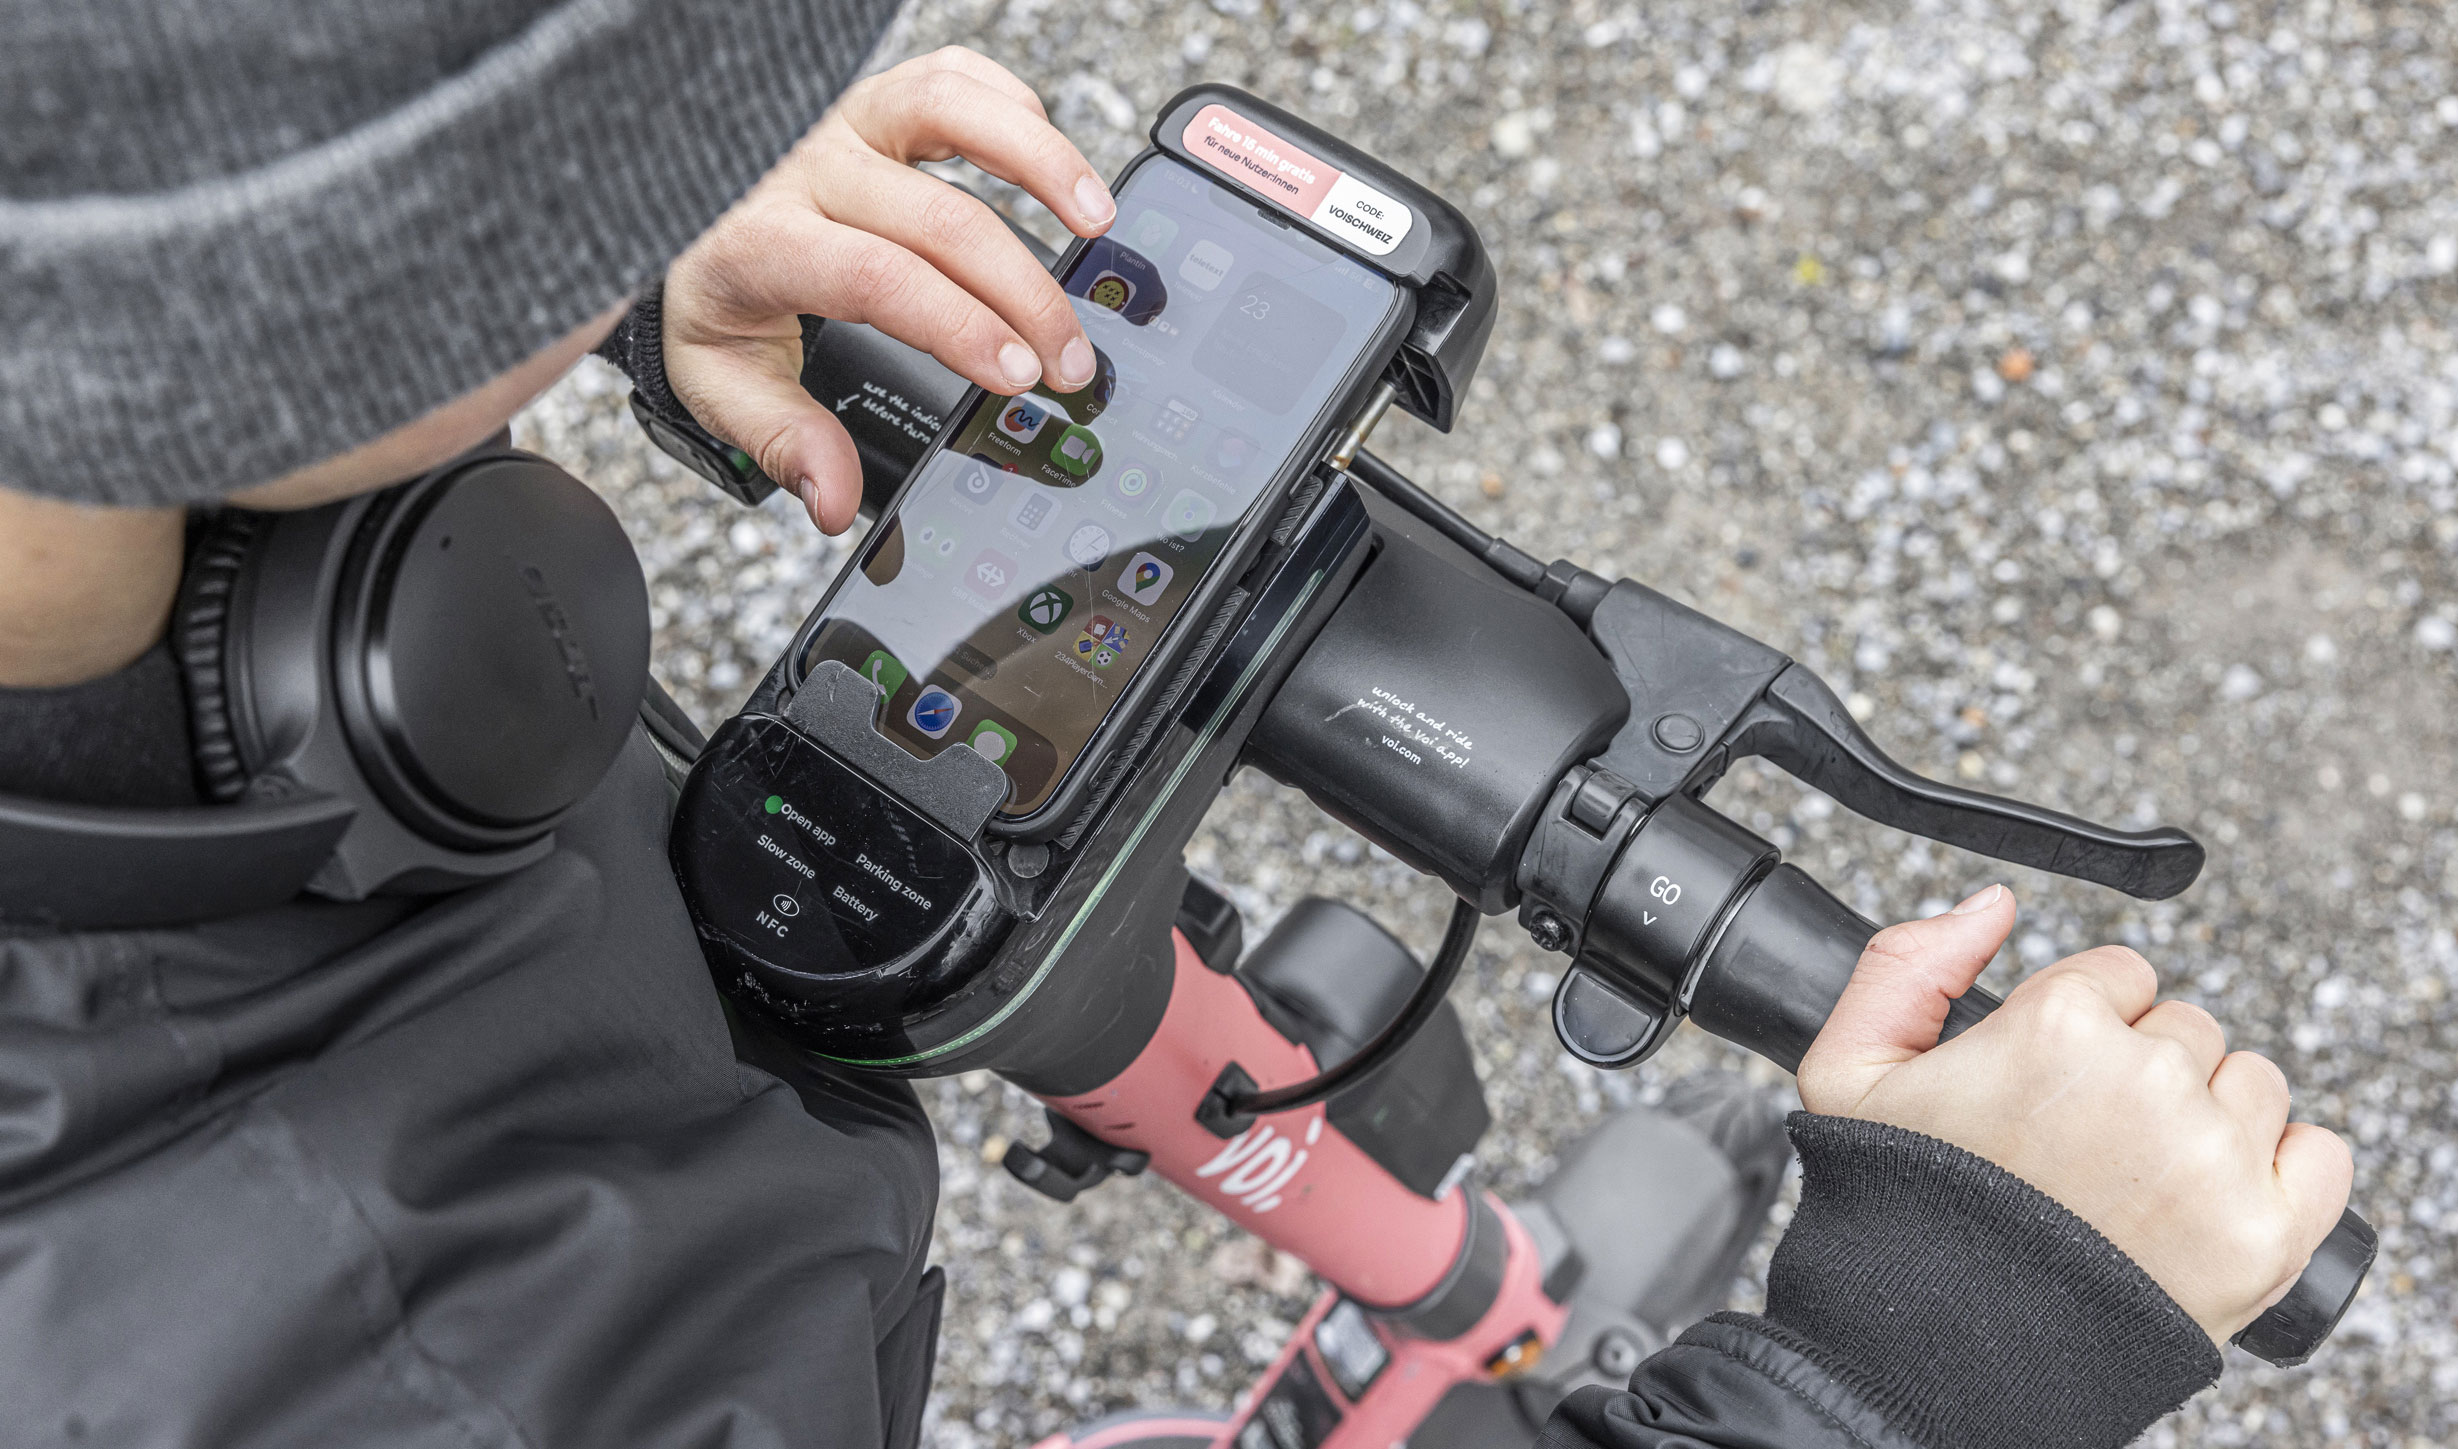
{"x": 506, "y": 647}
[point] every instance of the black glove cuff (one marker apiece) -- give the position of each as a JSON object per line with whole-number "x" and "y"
{"x": 638, "y": 346}
{"x": 1966, "y": 1306}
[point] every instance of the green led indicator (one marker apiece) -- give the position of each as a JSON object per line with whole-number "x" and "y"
{"x": 775, "y": 803}
{"x": 741, "y": 461}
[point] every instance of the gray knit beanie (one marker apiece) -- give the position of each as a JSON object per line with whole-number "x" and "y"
{"x": 239, "y": 236}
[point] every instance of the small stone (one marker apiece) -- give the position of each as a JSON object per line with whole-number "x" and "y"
{"x": 1605, "y": 441}
{"x": 1726, "y": 362}
{"x": 2015, "y": 366}
{"x": 2241, "y": 682}
{"x": 1668, "y": 318}
{"x": 1671, "y": 454}
{"x": 1514, "y": 135}
{"x": 2434, "y": 632}
{"x": 1806, "y": 79}
{"x": 1490, "y": 485}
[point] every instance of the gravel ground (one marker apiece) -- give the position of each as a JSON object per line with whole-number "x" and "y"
{"x": 2072, "y": 384}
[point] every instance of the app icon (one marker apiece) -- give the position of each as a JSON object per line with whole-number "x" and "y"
{"x": 991, "y": 572}
{"x": 1134, "y": 485}
{"x": 1022, "y": 419}
{"x": 977, "y": 484}
{"x": 1175, "y": 419}
{"x": 1089, "y": 546}
{"x": 934, "y": 712}
{"x": 1152, "y": 232}
{"x": 934, "y": 539}
{"x": 1207, "y": 264}
{"x": 993, "y": 741}
{"x": 1188, "y": 515}
{"x": 1110, "y": 290}
{"x": 1033, "y": 512}
{"x": 1078, "y": 451}
{"x": 885, "y": 672}
{"x": 1101, "y": 642}
{"x": 1231, "y": 451}
{"x": 1046, "y": 609}
{"x": 1144, "y": 579}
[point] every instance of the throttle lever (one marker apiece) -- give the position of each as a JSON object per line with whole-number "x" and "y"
{"x": 1799, "y": 724}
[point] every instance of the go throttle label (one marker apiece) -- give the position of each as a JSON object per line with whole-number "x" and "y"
{"x": 1330, "y": 198}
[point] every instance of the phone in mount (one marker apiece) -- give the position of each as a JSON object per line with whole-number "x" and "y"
{"x": 1052, "y": 556}
{"x": 985, "y": 746}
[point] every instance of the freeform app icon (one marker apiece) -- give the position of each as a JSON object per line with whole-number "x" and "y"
{"x": 1144, "y": 578}
{"x": 1023, "y": 419}
{"x": 934, "y": 712}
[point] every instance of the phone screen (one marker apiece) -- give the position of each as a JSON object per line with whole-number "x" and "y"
{"x": 1034, "y": 564}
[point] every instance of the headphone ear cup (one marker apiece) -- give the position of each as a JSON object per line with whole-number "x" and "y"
{"x": 200, "y": 640}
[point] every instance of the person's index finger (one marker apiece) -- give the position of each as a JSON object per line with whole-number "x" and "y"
{"x": 990, "y": 73}
{"x": 2317, "y": 1172}
{"x": 961, "y": 236}
{"x": 2118, "y": 974}
{"x": 948, "y": 113}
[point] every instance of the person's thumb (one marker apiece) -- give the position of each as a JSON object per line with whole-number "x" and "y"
{"x": 1895, "y": 1004}
{"x": 754, "y": 399}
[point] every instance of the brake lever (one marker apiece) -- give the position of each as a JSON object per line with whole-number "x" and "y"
{"x": 1703, "y": 695}
{"x": 1799, "y": 725}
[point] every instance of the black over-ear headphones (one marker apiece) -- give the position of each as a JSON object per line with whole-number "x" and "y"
{"x": 399, "y": 693}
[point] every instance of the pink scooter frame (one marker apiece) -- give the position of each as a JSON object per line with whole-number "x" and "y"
{"x": 1294, "y": 1181}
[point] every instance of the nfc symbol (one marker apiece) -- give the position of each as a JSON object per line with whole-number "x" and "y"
{"x": 787, "y": 906}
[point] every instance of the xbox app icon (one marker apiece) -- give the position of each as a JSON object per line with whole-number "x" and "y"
{"x": 1045, "y": 609}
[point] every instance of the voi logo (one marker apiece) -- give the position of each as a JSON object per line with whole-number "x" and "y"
{"x": 1258, "y": 1163}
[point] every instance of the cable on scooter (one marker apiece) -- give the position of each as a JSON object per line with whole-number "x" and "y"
{"x": 1376, "y": 1054}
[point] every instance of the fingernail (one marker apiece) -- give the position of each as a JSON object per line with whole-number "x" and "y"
{"x": 1985, "y": 898}
{"x": 1092, "y": 202}
{"x": 806, "y": 488}
{"x": 1075, "y": 363}
{"x": 1017, "y": 362}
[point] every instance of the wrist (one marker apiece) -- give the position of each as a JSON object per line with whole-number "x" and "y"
{"x": 1967, "y": 1306}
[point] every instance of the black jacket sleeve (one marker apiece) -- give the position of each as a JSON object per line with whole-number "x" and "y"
{"x": 1923, "y": 1299}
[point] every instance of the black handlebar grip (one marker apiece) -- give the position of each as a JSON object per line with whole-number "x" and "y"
{"x": 1776, "y": 972}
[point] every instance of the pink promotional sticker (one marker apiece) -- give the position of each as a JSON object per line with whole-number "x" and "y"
{"x": 1325, "y": 195}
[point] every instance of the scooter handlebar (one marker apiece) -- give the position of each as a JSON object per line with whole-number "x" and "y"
{"x": 1771, "y": 979}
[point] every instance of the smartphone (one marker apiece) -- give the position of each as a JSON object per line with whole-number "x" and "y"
{"x": 1053, "y": 554}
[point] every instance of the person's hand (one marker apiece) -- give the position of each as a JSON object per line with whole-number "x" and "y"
{"x": 2134, "y": 1116}
{"x": 845, "y": 227}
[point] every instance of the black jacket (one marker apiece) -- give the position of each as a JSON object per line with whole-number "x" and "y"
{"x": 1921, "y": 1299}
{"x": 481, "y": 1170}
